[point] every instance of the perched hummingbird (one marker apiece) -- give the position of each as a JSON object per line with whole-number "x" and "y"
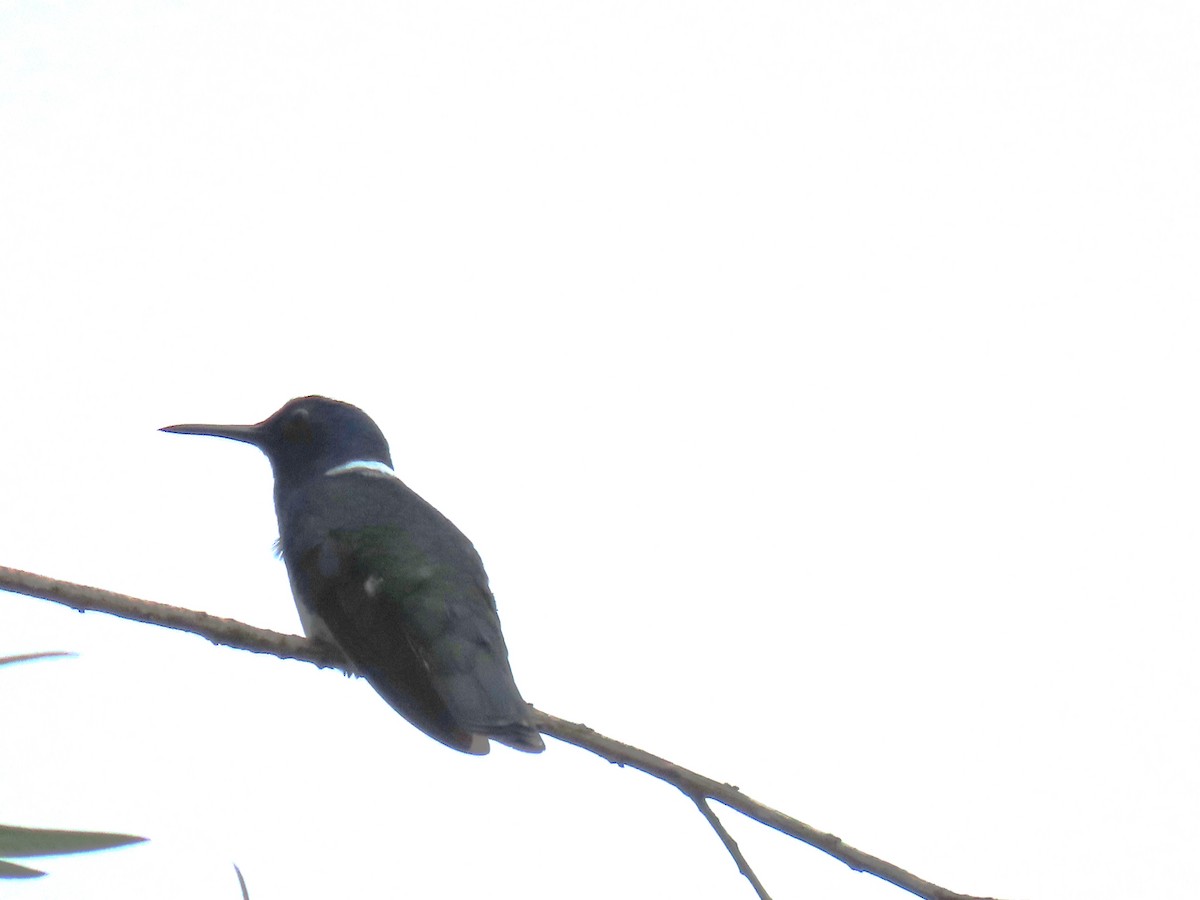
{"x": 385, "y": 577}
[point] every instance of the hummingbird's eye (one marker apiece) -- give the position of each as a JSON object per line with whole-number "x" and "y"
{"x": 297, "y": 427}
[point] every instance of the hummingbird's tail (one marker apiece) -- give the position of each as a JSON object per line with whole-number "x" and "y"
{"x": 520, "y": 736}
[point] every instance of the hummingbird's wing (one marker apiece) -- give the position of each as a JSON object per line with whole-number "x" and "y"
{"x": 405, "y": 596}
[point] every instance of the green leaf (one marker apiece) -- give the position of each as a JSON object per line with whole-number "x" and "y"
{"x": 17, "y": 841}
{"x": 12, "y": 870}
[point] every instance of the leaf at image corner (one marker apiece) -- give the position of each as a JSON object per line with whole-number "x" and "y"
{"x": 18, "y": 841}
{"x": 12, "y": 870}
{"x": 27, "y": 657}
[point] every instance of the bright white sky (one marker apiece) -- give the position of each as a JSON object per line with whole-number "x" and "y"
{"x": 819, "y": 382}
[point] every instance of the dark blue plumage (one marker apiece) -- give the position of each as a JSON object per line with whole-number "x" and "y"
{"x": 383, "y": 575}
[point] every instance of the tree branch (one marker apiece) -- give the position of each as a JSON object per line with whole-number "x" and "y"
{"x": 700, "y": 788}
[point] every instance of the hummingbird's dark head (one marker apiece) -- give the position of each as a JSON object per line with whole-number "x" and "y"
{"x": 307, "y": 437}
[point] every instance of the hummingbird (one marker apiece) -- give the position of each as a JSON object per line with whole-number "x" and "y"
{"x": 387, "y": 579}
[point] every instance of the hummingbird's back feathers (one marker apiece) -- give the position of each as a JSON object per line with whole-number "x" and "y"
{"x": 386, "y": 577}
{"x": 449, "y": 672}
{"x": 339, "y": 596}
{"x": 409, "y": 606}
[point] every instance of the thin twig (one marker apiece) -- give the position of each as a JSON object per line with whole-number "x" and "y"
{"x": 731, "y": 845}
{"x": 232, "y": 633}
